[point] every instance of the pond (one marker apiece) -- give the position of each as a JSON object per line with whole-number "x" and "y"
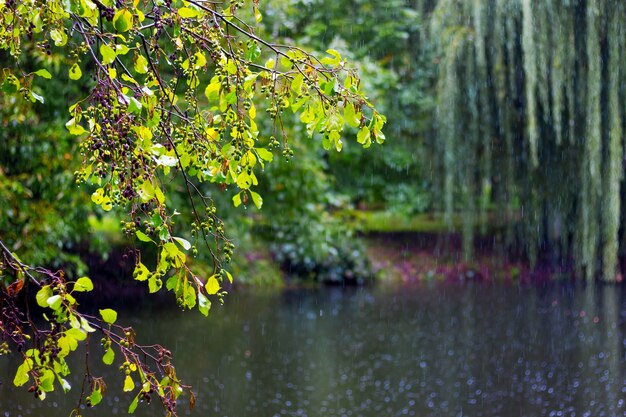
{"x": 460, "y": 349}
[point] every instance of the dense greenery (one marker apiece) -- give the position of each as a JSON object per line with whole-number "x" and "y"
{"x": 505, "y": 110}
{"x": 530, "y": 122}
{"x": 180, "y": 120}
{"x": 164, "y": 104}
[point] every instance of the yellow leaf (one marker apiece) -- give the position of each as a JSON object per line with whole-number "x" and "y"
{"x": 212, "y": 286}
{"x": 212, "y": 92}
{"x": 244, "y": 180}
{"x": 97, "y": 196}
{"x": 200, "y": 60}
{"x": 123, "y": 20}
{"x": 108, "y": 54}
{"x": 106, "y": 204}
{"x": 188, "y": 12}
{"x": 141, "y": 64}
{"x": 75, "y": 72}
{"x": 129, "y": 384}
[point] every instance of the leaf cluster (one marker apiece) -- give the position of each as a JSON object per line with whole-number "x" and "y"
{"x": 171, "y": 94}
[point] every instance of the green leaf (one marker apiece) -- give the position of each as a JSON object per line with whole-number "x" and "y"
{"x": 228, "y": 275}
{"x": 75, "y": 72}
{"x": 326, "y": 142}
{"x": 285, "y": 63}
{"x": 83, "y": 284}
{"x": 190, "y": 295}
{"x": 95, "y": 397}
{"x": 154, "y": 284}
{"x": 204, "y": 304}
{"x": 65, "y": 385}
{"x": 121, "y": 49}
{"x": 231, "y": 67}
{"x": 106, "y": 204}
{"x": 172, "y": 282}
{"x": 334, "y": 61}
{"x": 133, "y": 406}
{"x": 159, "y": 194}
{"x": 108, "y": 54}
{"x": 231, "y": 98}
{"x": 351, "y": 116}
{"x": 296, "y": 83}
{"x": 44, "y": 73}
{"x": 43, "y": 295}
{"x": 265, "y": 154}
{"x": 108, "y": 357}
{"x": 123, "y": 20}
{"x": 141, "y": 64}
{"x": 188, "y": 12}
{"x": 380, "y": 137}
{"x": 141, "y": 273}
{"x": 36, "y": 97}
{"x": 183, "y": 242}
{"x": 74, "y": 322}
{"x": 59, "y": 37}
{"x": 363, "y": 137}
{"x": 257, "y": 199}
{"x": 212, "y": 91}
{"x": 134, "y": 106}
{"x": 212, "y": 286}
{"x": 67, "y": 344}
{"x": 200, "y": 60}
{"x": 46, "y": 381}
{"x": 54, "y": 302}
{"x": 76, "y": 334}
{"x": 257, "y": 15}
{"x": 296, "y": 106}
{"x": 168, "y": 161}
{"x": 171, "y": 249}
{"x": 244, "y": 181}
{"x": 11, "y": 84}
{"x": 308, "y": 115}
{"x": 253, "y": 52}
{"x": 252, "y": 111}
{"x": 97, "y": 195}
{"x": 146, "y": 191}
{"x": 108, "y": 315}
{"x": 84, "y": 324}
{"x": 21, "y": 376}
{"x": 142, "y": 236}
{"x": 237, "y": 199}
{"x": 75, "y": 129}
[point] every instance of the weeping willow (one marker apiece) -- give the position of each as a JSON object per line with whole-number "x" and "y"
{"x": 530, "y": 123}
{"x": 530, "y": 72}
{"x": 614, "y": 167}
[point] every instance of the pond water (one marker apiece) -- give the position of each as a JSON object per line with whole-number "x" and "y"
{"x": 472, "y": 349}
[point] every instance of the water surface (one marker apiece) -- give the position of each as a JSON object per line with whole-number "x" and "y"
{"x": 431, "y": 350}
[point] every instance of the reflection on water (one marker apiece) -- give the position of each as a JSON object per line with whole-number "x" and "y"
{"x": 441, "y": 350}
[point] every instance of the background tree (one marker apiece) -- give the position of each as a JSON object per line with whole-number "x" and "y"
{"x": 515, "y": 109}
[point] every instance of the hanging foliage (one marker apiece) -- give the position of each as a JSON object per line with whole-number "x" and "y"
{"x": 171, "y": 94}
{"x": 542, "y": 85}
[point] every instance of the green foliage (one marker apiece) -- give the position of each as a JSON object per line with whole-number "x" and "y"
{"x": 529, "y": 121}
{"x": 309, "y": 240}
{"x": 166, "y": 101}
{"x": 388, "y": 46}
{"x": 40, "y": 213}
